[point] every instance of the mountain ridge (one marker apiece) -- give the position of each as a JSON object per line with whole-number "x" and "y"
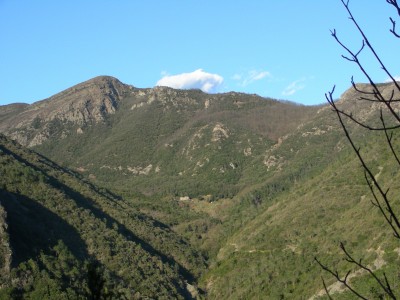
{"x": 85, "y": 103}
{"x": 251, "y": 183}
{"x": 210, "y": 135}
{"x": 90, "y": 102}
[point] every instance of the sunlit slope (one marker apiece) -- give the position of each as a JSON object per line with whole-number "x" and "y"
{"x": 160, "y": 140}
{"x": 315, "y": 197}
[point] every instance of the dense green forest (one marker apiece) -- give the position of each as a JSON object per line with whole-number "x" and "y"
{"x": 62, "y": 233}
{"x": 183, "y": 195}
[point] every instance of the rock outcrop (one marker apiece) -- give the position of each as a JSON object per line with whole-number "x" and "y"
{"x": 83, "y": 104}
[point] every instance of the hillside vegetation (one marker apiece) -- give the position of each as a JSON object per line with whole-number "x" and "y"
{"x": 226, "y": 196}
{"x": 162, "y": 141}
{"x": 56, "y": 227}
{"x": 315, "y": 200}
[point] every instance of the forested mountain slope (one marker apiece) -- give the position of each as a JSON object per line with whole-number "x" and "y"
{"x": 56, "y": 227}
{"x": 161, "y": 140}
{"x": 233, "y": 193}
{"x": 314, "y": 197}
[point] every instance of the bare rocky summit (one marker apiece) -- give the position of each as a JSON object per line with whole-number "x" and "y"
{"x": 184, "y": 140}
{"x": 361, "y": 102}
{"x": 83, "y": 104}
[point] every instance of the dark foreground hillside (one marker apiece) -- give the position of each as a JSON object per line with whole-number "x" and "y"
{"x": 227, "y": 196}
{"x": 63, "y": 238}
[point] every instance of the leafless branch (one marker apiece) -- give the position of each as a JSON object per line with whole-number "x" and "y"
{"x": 395, "y": 5}
{"x": 351, "y": 17}
{"x": 384, "y": 285}
{"x": 372, "y": 93}
{"x": 344, "y": 280}
{"x": 339, "y": 112}
{"x": 389, "y": 138}
{"x": 326, "y": 289}
{"x": 393, "y": 30}
{"x": 372, "y": 182}
{"x": 380, "y": 194}
{"x": 383, "y": 210}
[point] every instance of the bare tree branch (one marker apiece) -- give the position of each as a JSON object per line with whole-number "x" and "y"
{"x": 326, "y": 289}
{"x": 346, "y": 5}
{"x": 393, "y": 30}
{"x": 395, "y": 5}
{"x": 385, "y": 286}
{"x": 367, "y": 170}
{"x": 382, "y": 209}
{"x": 389, "y": 138}
{"x": 380, "y": 194}
{"x": 343, "y": 280}
{"x": 364, "y": 125}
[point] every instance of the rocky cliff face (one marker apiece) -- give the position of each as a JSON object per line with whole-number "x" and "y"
{"x": 90, "y": 102}
{"x": 83, "y": 104}
{"x": 362, "y": 104}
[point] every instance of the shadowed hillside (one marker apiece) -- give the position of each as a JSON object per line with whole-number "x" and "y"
{"x": 48, "y": 209}
{"x": 232, "y": 193}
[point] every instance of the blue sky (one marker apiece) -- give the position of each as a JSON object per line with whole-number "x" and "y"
{"x": 279, "y": 49}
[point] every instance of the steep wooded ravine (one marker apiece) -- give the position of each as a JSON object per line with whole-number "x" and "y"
{"x": 223, "y": 182}
{"x": 49, "y": 214}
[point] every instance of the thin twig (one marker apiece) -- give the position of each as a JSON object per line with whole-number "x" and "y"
{"x": 346, "y": 5}
{"x": 386, "y": 287}
{"x": 344, "y": 280}
{"x": 389, "y": 139}
{"x": 326, "y": 289}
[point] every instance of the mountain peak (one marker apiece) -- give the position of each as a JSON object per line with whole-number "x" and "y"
{"x": 387, "y": 89}
{"x": 83, "y": 104}
{"x": 99, "y": 86}
{"x": 101, "y": 80}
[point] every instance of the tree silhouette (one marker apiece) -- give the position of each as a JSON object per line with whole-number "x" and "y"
{"x": 386, "y": 122}
{"x": 96, "y": 281}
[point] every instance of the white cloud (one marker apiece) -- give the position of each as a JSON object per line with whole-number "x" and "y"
{"x": 397, "y": 78}
{"x": 294, "y": 87}
{"x": 237, "y": 77}
{"x": 250, "y": 77}
{"x": 198, "y": 79}
{"x": 254, "y": 75}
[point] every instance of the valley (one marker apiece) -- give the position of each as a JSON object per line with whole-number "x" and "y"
{"x": 179, "y": 194}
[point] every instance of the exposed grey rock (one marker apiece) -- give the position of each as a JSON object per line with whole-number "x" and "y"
{"x": 83, "y": 104}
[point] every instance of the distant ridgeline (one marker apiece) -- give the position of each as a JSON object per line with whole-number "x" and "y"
{"x": 164, "y": 193}
{"x": 162, "y": 141}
